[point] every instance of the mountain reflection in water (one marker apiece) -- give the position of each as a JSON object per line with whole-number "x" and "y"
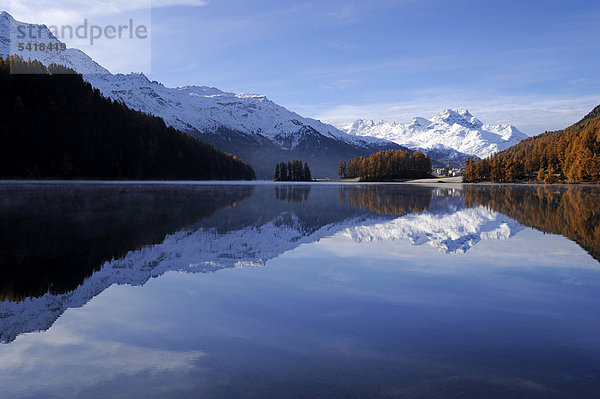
{"x": 64, "y": 244}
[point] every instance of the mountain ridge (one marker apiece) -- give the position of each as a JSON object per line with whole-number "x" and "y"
{"x": 205, "y": 111}
{"x": 454, "y": 131}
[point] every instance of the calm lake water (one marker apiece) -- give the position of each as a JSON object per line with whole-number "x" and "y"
{"x": 299, "y": 291}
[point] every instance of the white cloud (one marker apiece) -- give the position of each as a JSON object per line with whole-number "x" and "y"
{"x": 122, "y": 55}
{"x": 62, "y": 358}
{"x": 74, "y": 11}
{"x": 170, "y": 3}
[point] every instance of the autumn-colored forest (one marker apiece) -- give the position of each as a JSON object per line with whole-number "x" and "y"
{"x": 386, "y": 165}
{"x": 571, "y": 155}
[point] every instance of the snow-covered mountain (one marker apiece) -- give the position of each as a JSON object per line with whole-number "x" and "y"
{"x": 248, "y": 125}
{"x": 206, "y": 109}
{"x": 11, "y": 32}
{"x": 455, "y": 131}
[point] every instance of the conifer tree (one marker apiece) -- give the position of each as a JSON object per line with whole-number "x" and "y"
{"x": 293, "y": 171}
{"x": 342, "y": 169}
{"x": 540, "y": 174}
{"x": 277, "y": 172}
{"x": 307, "y": 174}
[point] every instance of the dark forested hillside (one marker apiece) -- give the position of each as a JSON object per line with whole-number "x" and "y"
{"x": 571, "y": 155}
{"x": 54, "y": 125}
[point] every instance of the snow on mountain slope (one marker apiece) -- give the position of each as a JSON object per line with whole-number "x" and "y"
{"x": 10, "y": 31}
{"x": 189, "y": 108}
{"x": 456, "y": 130}
{"x": 206, "y": 109}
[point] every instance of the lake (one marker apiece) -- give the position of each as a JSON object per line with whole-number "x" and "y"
{"x": 180, "y": 290}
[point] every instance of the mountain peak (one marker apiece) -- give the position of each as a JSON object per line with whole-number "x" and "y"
{"x": 450, "y": 130}
{"x": 464, "y": 112}
{"x": 452, "y": 116}
{"x": 139, "y": 76}
{"x": 71, "y": 57}
{"x": 5, "y": 15}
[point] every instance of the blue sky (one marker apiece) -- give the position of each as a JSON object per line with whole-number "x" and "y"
{"x": 530, "y": 63}
{"x": 533, "y": 64}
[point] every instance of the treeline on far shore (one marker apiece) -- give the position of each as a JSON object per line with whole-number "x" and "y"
{"x": 292, "y": 171}
{"x": 386, "y": 166}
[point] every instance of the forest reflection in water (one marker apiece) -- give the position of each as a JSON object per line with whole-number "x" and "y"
{"x": 53, "y": 237}
{"x": 571, "y": 211}
{"x": 292, "y": 193}
{"x": 381, "y": 290}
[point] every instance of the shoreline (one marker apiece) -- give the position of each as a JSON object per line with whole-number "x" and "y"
{"x": 453, "y": 179}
